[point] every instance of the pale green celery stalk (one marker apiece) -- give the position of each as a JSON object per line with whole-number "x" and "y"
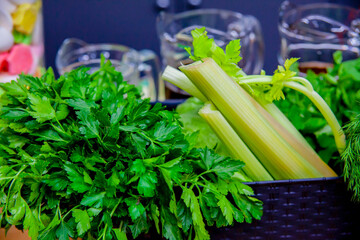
{"x": 304, "y": 86}
{"x": 179, "y": 79}
{"x": 280, "y": 117}
{"x": 298, "y": 143}
{"x": 325, "y": 110}
{"x": 276, "y": 113}
{"x": 161, "y": 90}
{"x": 277, "y": 156}
{"x": 237, "y": 148}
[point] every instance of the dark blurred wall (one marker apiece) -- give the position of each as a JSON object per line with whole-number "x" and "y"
{"x": 132, "y": 22}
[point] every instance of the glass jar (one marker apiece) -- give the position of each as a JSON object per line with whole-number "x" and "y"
{"x": 313, "y": 32}
{"x": 138, "y": 67}
{"x": 21, "y": 38}
{"x": 174, "y": 32}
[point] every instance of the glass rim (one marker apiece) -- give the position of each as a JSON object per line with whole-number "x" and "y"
{"x": 207, "y": 11}
{"x": 62, "y": 56}
{"x": 163, "y": 22}
{"x": 103, "y": 47}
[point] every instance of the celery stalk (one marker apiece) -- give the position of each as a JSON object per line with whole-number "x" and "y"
{"x": 278, "y": 157}
{"x": 302, "y": 85}
{"x": 237, "y": 148}
{"x": 161, "y": 90}
{"x": 276, "y": 113}
{"x": 176, "y": 77}
{"x": 293, "y": 137}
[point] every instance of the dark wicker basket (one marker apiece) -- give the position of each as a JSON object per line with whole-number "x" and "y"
{"x": 313, "y": 209}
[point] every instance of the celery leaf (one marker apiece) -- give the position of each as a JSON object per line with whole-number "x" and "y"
{"x": 204, "y": 47}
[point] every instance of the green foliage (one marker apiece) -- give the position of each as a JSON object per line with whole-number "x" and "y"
{"x": 351, "y": 156}
{"x": 83, "y": 221}
{"x": 85, "y": 156}
{"x": 269, "y": 91}
{"x": 204, "y": 47}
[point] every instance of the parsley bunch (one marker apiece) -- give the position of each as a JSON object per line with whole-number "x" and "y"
{"x": 85, "y": 156}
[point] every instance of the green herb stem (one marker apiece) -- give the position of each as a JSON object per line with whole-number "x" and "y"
{"x": 11, "y": 184}
{"x": 118, "y": 203}
{"x": 66, "y": 214}
{"x": 302, "y": 85}
{"x": 61, "y": 130}
{"x": 214, "y": 191}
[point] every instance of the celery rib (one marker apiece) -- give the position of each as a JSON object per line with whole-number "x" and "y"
{"x": 237, "y": 148}
{"x": 271, "y": 114}
{"x": 176, "y": 77}
{"x": 292, "y": 136}
{"x": 304, "y": 86}
{"x": 277, "y": 114}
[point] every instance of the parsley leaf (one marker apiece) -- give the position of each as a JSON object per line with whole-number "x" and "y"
{"x": 41, "y": 108}
{"x": 64, "y": 231}
{"x": 83, "y": 221}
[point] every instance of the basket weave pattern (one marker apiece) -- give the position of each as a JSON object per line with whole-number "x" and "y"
{"x": 315, "y": 209}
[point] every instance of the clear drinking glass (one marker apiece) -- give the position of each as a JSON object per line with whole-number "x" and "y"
{"x": 313, "y": 32}
{"x": 174, "y": 31}
{"x": 21, "y": 38}
{"x": 140, "y": 68}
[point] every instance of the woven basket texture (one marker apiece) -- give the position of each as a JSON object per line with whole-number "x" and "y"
{"x": 315, "y": 209}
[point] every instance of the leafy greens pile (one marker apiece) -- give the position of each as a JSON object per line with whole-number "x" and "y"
{"x": 83, "y": 157}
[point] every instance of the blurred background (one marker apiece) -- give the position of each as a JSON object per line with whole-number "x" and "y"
{"x": 133, "y": 23}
